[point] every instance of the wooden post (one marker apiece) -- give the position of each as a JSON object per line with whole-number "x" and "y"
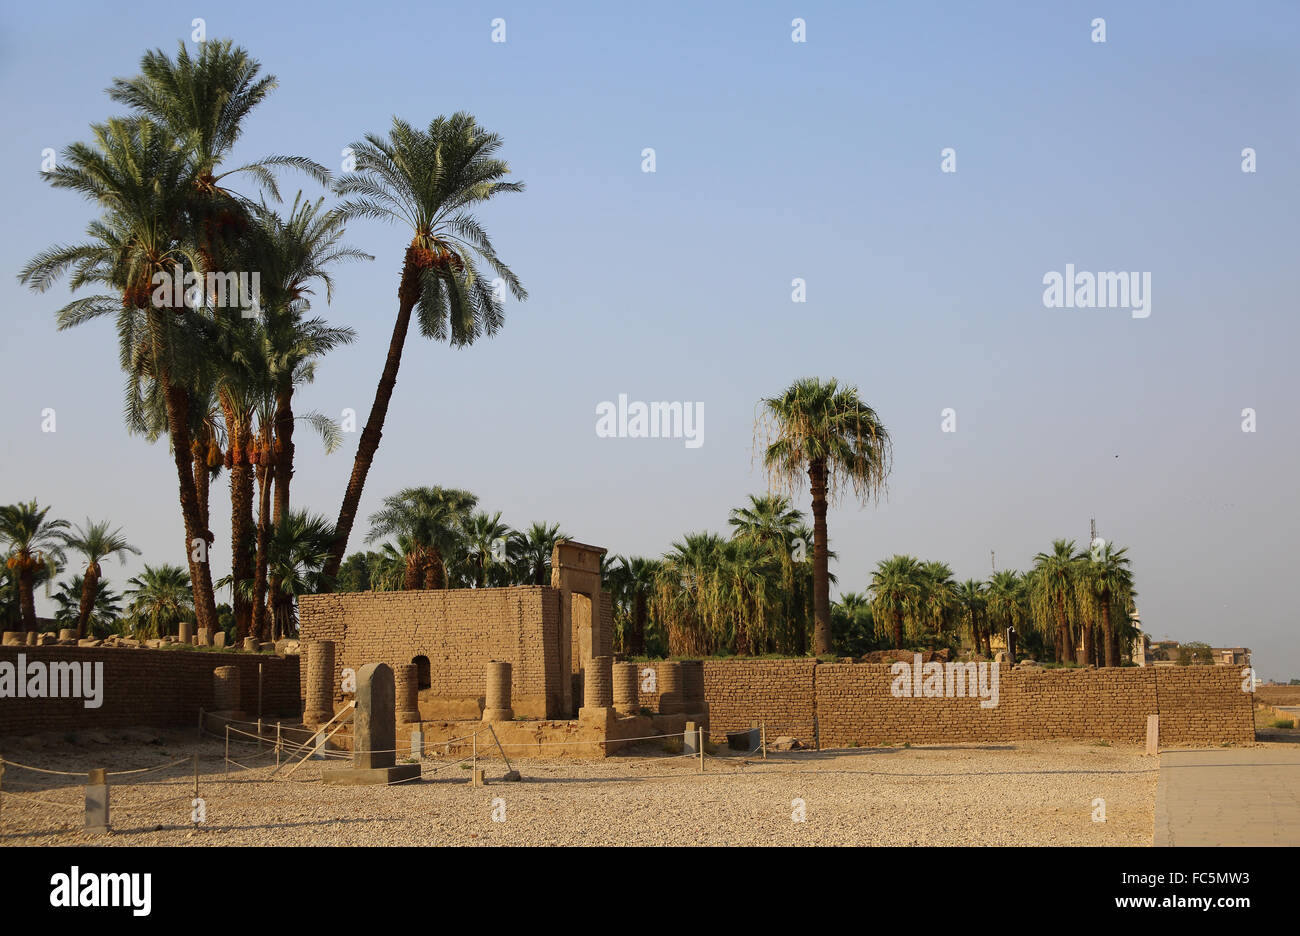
{"x": 762, "y": 734}
{"x": 200, "y": 722}
{"x": 196, "y": 785}
{"x": 259, "y": 706}
{"x": 2, "y": 781}
{"x": 97, "y": 821}
{"x": 278, "y": 742}
{"x": 227, "y": 750}
{"x": 699, "y": 734}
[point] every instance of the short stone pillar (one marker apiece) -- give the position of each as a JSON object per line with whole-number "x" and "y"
{"x": 626, "y": 699}
{"x": 67, "y": 633}
{"x": 1153, "y": 735}
{"x": 251, "y": 643}
{"x": 598, "y": 687}
{"x": 33, "y": 638}
{"x": 319, "y": 707}
{"x": 496, "y": 703}
{"x": 374, "y": 733}
{"x": 225, "y": 689}
{"x": 205, "y": 637}
{"x": 219, "y": 639}
{"x": 406, "y": 676}
{"x": 187, "y": 632}
{"x": 97, "y": 820}
{"x": 15, "y": 638}
{"x": 672, "y": 698}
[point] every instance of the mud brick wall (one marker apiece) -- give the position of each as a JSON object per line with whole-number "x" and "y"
{"x": 148, "y": 687}
{"x": 839, "y": 705}
{"x": 458, "y": 630}
{"x": 1201, "y": 705}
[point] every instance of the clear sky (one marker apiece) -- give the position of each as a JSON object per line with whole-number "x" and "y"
{"x": 774, "y": 160}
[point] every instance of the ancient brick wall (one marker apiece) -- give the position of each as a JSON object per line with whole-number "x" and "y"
{"x": 853, "y": 704}
{"x": 148, "y": 687}
{"x": 457, "y": 630}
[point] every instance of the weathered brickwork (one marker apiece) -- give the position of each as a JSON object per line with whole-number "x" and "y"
{"x": 843, "y": 704}
{"x": 457, "y": 630}
{"x": 149, "y": 687}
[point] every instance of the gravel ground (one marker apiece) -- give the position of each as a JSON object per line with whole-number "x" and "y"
{"x": 1027, "y": 793}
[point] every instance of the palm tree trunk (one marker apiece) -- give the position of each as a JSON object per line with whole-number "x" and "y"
{"x": 821, "y": 563}
{"x": 258, "y": 601}
{"x": 1108, "y": 631}
{"x": 201, "y": 485}
{"x": 637, "y": 647}
{"x": 241, "y": 516}
{"x": 414, "y": 571}
{"x": 283, "y": 452}
{"x": 88, "y": 583}
{"x": 27, "y": 596}
{"x": 898, "y": 628}
{"x": 1088, "y": 651}
{"x": 196, "y": 529}
{"x": 407, "y": 295}
{"x": 435, "y": 572}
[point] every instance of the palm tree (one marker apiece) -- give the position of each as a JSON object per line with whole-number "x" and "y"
{"x": 299, "y": 548}
{"x": 825, "y": 430}
{"x": 206, "y": 99}
{"x": 481, "y": 533}
{"x": 104, "y": 612}
{"x": 769, "y": 519}
{"x": 160, "y": 598}
{"x": 429, "y": 180}
{"x": 534, "y": 548}
{"x": 855, "y": 626}
{"x": 681, "y": 597}
{"x": 633, "y": 578}
{"x": 895, "y": 593}
{"x": 974, "y": 608}
{"x": 428, "y": 520}
{"x": 1107, "y": 586}
{"x": 1006, "y": 600}
{"x": 32, "y": 542}
{"x": 142, "y": 175}
{"x": 939, "y": 596}
{"x": 1051, "y": 594}
{"x": 95, "y": 541}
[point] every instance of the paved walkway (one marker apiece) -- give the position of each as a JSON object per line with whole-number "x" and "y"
{"x": 1245, "y": 796}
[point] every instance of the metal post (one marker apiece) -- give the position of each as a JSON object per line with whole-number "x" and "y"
{"x": 475, "y": 740}
{"x": 259, "y": 731}
{"x": 2, "y": 781}
{"x": 700, "y": 740}
{"x": 259, "y": 700}
{"x": 227, "y": 750}
{"x": 763, "y": 738}
{"x": 278, "y": 742}
{"x": 196, "y": 783}
{"x": 200, "y": 722}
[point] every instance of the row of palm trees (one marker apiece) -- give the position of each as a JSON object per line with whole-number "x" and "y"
{"x": 435, "y": 537}
{"x": 1073, "y": 605}
{"x": 217, "y": 382}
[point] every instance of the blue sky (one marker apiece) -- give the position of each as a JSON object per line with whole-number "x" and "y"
{"x": 774, "y": 160}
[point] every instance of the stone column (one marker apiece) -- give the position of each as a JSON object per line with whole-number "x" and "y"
{"x": 374, "y": 723}
{"x": 496, "y": 705}
{"x": 320, "y": 683}
{"x": 598, "y": 689}
{"x": 672, "y": 698}
{"x": 250, "y": 643}
{"x": 187, "y": 632}
{"x": 626, "y": 698}
{"x": 406, "y": 676}
{"x": 225, "y": 689}
{"x": 693, "y": 686}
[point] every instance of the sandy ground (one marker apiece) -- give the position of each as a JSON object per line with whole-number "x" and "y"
{"x": 1027, "y": 793}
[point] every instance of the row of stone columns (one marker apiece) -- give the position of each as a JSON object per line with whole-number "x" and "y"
{"x": 607, "y": 685}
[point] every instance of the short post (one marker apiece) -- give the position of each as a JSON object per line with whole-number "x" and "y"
{"x": 2, "y": 782}
{"x": 701, "y": 742}
{"x": 762, "y": 734}
{"x": 200, "y": 722}
{"x": 259, "y": 705}
{"x": 227, "y": 750}
{"x": 278, "y": 744}
{"x": 1153, "y": 735}
{"x": 97, "y": 801}
{"x": 194, "y": 812}
{"x": 475, "y": 740}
